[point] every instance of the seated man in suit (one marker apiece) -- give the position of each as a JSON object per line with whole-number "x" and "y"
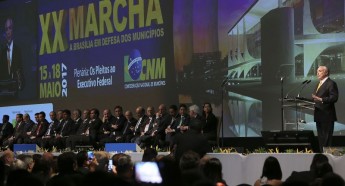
{"x": 64, "y": 130}
{"x": 6, "y": 129}
{"x": 170, "y": 131}
{"x": 115, "y": 127}
{"x": 94, "y": 125}
{"x": 18, "y": 130}
{"x": 48, "y": 138}
{"x": 145, "y": 138}
{"x": 28, "y": 127}
{"x": 194, "y": 111}
{"x": 180, "y": 125}
{"x": 128, "y": 129}
{"x": 105, "y": 129}
{"x": 35, "y": 136}
{"x": 163, "y": 120}
{"x": 140, "y": 111}
{"x": 76, "y": 116}
{"x": 91, "y": 134}
{"x": 80, "y": 134}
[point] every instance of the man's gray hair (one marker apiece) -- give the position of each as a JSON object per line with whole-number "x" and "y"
{"x": 195, "y": 109}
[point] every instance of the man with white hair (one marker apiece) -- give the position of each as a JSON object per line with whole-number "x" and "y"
{"x": 194, "y": 111}
{"x": 325, "y": 96}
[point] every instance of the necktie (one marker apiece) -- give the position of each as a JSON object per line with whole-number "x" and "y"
{"x": 181, "y": 121}
{"x": 63, "y": 127}
{"x": 19, "y": 125}
{"x": 318, "y": 87}
{"x": 49, "y": 129}
{"x": 137, "y": 125}
{"x": 9, "y": 59}
{"x": 38, "y": 129}
{"x": 124, "y": 131}
{"x": 85, "y": 126}
{"x": 172, "y": 121}
{"x": 3, "y": 128}
{"x": 147, "y": 125}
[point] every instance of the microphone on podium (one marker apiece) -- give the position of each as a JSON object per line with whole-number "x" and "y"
{"x": 306, "y": 83}
{"x": 287, "y": 94}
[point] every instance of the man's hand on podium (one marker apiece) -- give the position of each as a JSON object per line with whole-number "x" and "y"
{"x": 316, "y": 98}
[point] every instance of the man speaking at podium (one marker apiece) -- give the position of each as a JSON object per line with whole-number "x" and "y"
{"x": 324, "y": 96}
{"x": 10, "y": 61}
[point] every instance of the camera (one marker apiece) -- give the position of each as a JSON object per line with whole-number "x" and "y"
{"x": 147, "y": 172}
{"x": 110, "y": 166}
{"x": 90, "y": 155}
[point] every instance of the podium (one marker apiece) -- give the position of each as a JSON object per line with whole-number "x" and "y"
{"x": 8, "y": 87}
{"x": 295, "y": 106}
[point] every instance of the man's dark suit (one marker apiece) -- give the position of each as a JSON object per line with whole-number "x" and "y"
{"x": 18, "y": 130}
{"x": 36, "y": 135}
{"x": 105, "y": 129}
{"x": 6, "y": 131}
{"x": 16, "y": 66}
{"x": 159, "y": 131}
{"x": 12, "y": 139}
{"x": 48, "y": 138}
{"x": 115, "y": 134}
{"x": 83, "y": 127}
{"x": 28, "y": 126}
{"x": 145, "y": 138}
{"x": 77, "y": 124}
{"x": 197, "y": 119}
{"x": 64, "y": 130}
{"x": 77, "y": 139}
{"x": 94, "y": 126}
{"x": 140, "y": 122}
{"x": 120, "y": 122}
{"x": 137, "y": 127}
{"x": 324, "y": 113}
{"x": 128, "y": 130}
{"x": 191, "y": 140}
{"x": 181, "y": 121}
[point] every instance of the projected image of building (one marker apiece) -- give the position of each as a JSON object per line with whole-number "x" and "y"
{"x": 316, "y": 33}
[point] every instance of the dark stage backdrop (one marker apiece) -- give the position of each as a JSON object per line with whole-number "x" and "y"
{"x": 88, "y": 53}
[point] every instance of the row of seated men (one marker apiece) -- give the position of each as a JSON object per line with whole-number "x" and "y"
{"x": 68, "y": 130}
